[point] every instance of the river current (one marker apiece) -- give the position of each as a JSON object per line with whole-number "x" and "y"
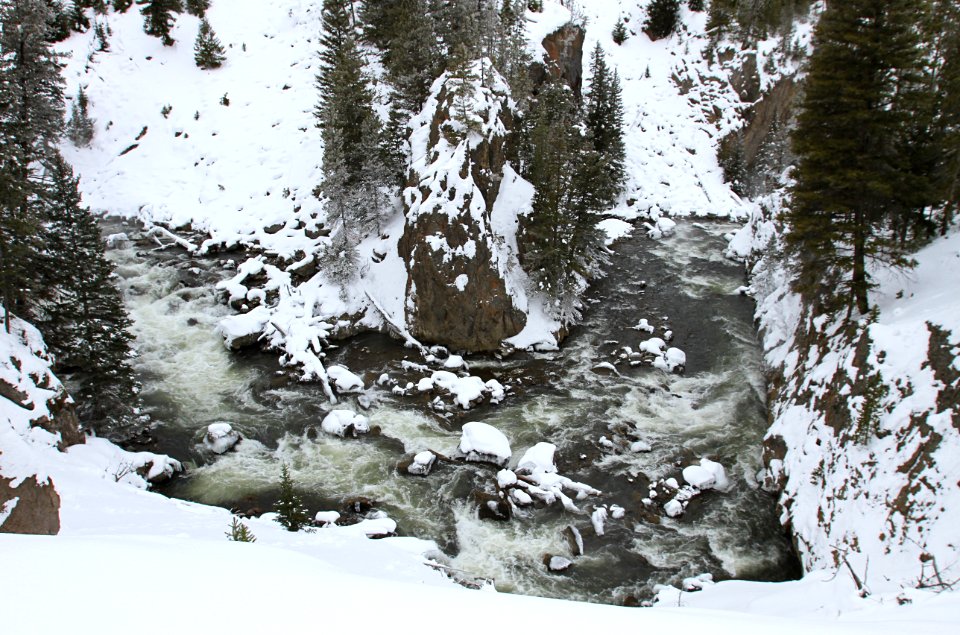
{"x": 715, "y": 409}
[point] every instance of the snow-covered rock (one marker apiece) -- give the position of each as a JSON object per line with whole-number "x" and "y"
{"x": 342, "y": 423}
{"x": 220, "y": 437}
{"x": 345, "y": 380}
{"x": 422, "y": 463}
{"x": 483, "y": 443}
{"x": 325, "y": 519}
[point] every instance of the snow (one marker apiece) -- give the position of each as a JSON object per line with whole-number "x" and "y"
{"x": 227, "y": 173}
{"x": 344, "y": 380}
{"x": 343, "y": 422}
{"x": 482, "y": 442}
{"x": 708, "y": 475}
{"x": 220, "y": 437}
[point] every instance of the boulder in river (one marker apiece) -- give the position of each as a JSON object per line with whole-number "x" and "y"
{"x": 221, "y": 437}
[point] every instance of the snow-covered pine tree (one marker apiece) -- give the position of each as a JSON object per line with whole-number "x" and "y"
{"x": 158, "y": 18}
{"x": 31, "y": 121}
{"x": 80, "y": 127}
{"x": 291, "y": 512}
{"x": 121, "y": 6}
{"x": 100, "y": 30}
{"x": 208, "y": 52}
{"x": 84, "y": 322}
{"x": 197, "y": 7}
{"x": 560, "y": 245}
{"x": 662, "y": 18}
{"x": 619, "y": 33}
{"x": 604, "y": 121}
{"x": 354, "y": 163}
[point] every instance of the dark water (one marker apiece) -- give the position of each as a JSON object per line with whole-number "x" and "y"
{"x": 715, "y": 409}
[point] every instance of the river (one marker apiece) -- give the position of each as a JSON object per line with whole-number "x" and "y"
{"x": 715, "y": 409}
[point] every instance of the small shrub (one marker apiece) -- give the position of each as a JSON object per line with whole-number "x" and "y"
{"x": 240, "y": 532}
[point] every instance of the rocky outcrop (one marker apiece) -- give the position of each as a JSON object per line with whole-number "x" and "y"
{"x": 29, "y": 507}
{"x": 457, "y": 292}
{"x": 563, "y": 59}
{"x": 63, "y": 420}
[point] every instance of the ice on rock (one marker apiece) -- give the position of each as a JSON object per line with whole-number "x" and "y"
{"x": 496, "y": 390}
{"x": 640, "y": 446}
{"x": 465, "y": 390}
{"x": 481, "y": 442}
{"x": 672, "y": 482}
{"x": 675, "y": 358}
{"x": 345, "y": 422}
{"x": 425, "y": 385}
{"x": 327, "y": 518}
{"x": 344, "y": 379}
{"x": 654, "y": 346}
{"x": 220, "y": 437}
{"x": 617, "y": 512}
{"x": 643, "y": 325}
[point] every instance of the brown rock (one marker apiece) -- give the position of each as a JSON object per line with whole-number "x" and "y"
{"x": 36, "y": 511}
{"x": 563, "y": 59}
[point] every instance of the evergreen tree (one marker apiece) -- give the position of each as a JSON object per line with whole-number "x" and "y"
{"x": 239, "y": 532}
{"x": 85, "y": 324}
{"x": 158, "y": 18}
{"x": 337, "y": 31}
{"x": 121, "y": 6}
{"x": 31, "y": 121}
{"x": 561, "y": 247}
{"x": 197, "y": 7}
{"x": 943, "y": 44}
{"x": 80, "y": 128}
{"x": 291, "y": 512}
{"x": 662, "y": 18}
{"x": 696, "y": 5}
{"x": 852, "y": 173}
{"x": 604, "y": 122}
{"x": 619, "y": 33}
{"x": 208, "y": 52}
{"x": 356, "y": 173}
{"x": 101, "y": 33}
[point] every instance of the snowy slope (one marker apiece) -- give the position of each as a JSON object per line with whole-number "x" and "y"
{"x": 881, "y": 502}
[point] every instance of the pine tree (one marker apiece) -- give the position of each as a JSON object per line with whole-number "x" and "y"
{"x": 121, "y": 6}
{"x": 239, "y": 532}
{"x": 337, "y": 31}
{"x": 696, "y": 5}
{"x": 942, "y": 35}
{"x": 80, "y": 127}
{"x": 291, "y": 512}
{"x": 208, "y": 52}
{"x": 101, "y": 33}
{"x": 31, "y": 121}
{"x": 85, "y": 323}
{"x": 560, "y": 245}
{"x": 619, "y": 33}
{"x": 197, "y": 7}
{"x": 852, "y": 175}
{"x": 158, "y": 18}
{"x": 604, "y": 122}
{"x": 662, "y": 18}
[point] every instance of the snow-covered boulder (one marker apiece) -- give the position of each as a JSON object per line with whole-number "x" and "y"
{"x": 422, "y": 463}
{"x": 538, "y": 459}
{"x": 343, "y": 423}
{"x": 708, "y": 475}
{"x": 344, "y": 380}
{"x": 482, "y": 443}
{"x": 220, "y": 437}
{"x": 326, "y": 519}
{"x": 557, "y": 564}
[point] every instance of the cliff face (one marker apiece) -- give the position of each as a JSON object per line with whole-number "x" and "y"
{"x": 457, "y": 291}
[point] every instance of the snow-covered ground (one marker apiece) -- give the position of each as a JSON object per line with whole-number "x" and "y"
{"x": 234, "y": 171}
